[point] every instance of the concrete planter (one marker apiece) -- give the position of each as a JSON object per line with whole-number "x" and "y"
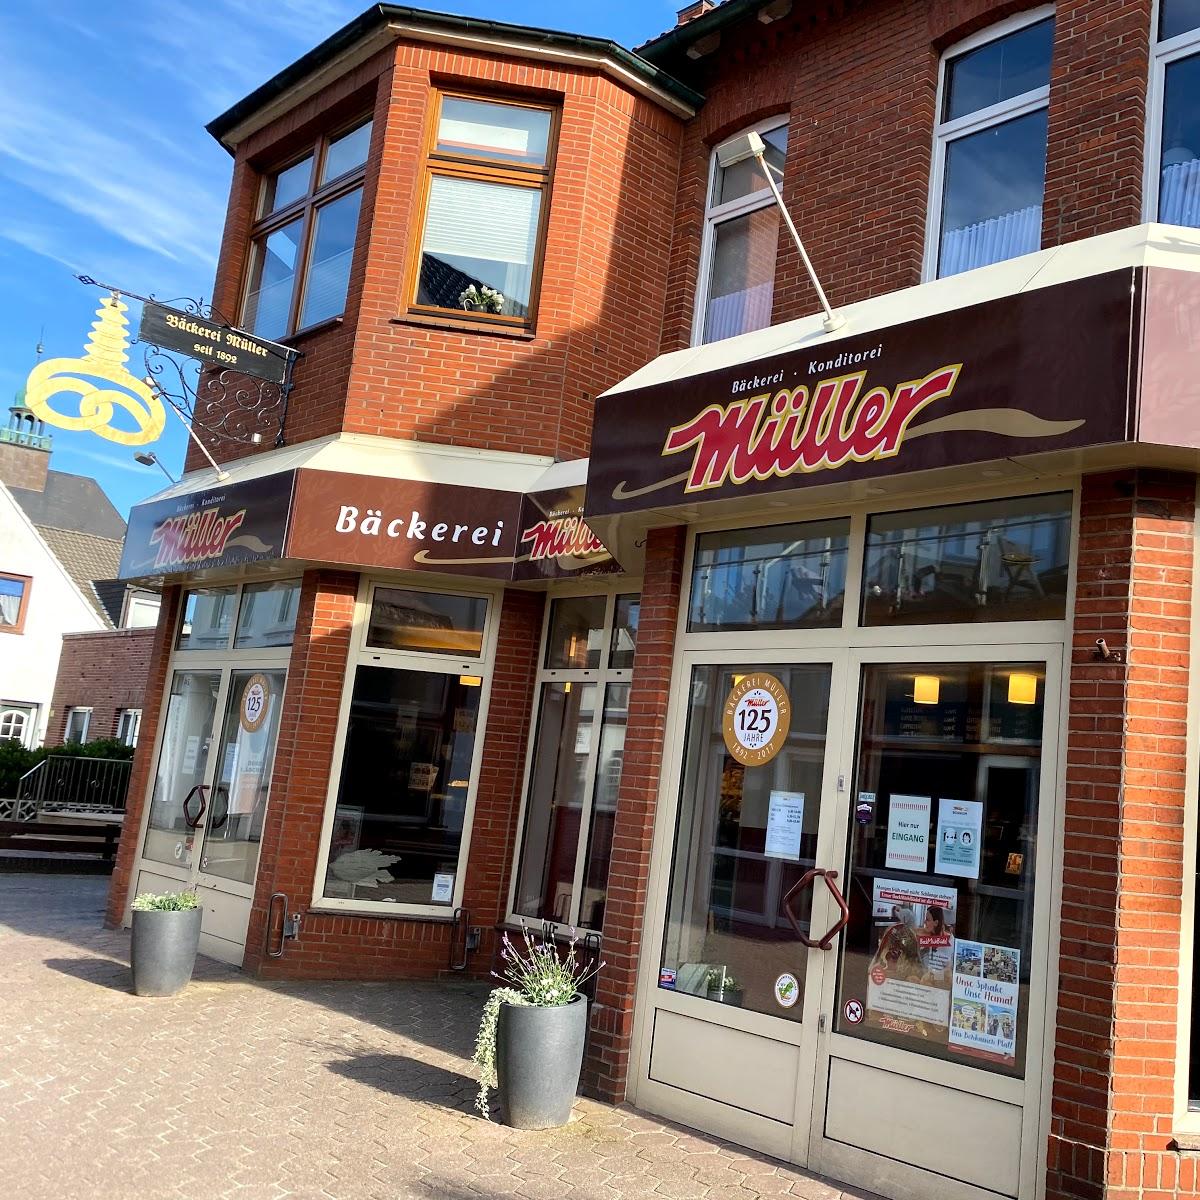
{"x": 164, "y": 950}
{"x": 539, "y": 1053}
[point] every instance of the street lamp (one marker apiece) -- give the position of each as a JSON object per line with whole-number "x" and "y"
{"x": 149, "y": 459}
{"x": 750, "y": 145}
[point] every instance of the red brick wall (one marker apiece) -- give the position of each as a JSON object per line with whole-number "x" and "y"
{"x": 104, "y": 671}
{"x": 143, "y": 764}
{"x": 607, "y": 1065}
{"x": 1115, "y": 1038}
{"x": 355, "y": 946}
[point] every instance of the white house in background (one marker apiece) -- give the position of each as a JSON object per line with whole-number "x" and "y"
{"x": 60, "y": 547}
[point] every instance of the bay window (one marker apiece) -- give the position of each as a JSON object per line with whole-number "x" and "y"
{"x": 485, "y": 200}
{"x": 575, "y": 760}
{"x": 739, "y": 248}
{"x": 303, "y": 240}
{"x": 1173, "y": 178}
{"x": 989, "y": 161}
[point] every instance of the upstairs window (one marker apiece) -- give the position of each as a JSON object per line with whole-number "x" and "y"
{"x": 989, "y": 159}
{"x": 303, "y": 240}
{"x": 485, "y": 198}
{"x": 741, "y": 239}
{"x": 1173, "y": 186}
{"x": 14, "y": 601}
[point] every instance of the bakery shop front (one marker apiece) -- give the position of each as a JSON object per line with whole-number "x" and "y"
{"x": 905, "y": 596}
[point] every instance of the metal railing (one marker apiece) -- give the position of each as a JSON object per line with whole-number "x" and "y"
{"x": 23, "y": 437}
{"x": 65, "y": 783}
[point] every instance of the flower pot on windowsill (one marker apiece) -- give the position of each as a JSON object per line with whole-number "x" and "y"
{"x": 539, "y": 1054}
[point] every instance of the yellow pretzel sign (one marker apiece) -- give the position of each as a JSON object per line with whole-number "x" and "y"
{"x": 103, "y": 358}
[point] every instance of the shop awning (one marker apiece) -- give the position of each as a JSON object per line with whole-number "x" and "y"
{"x": 371, "y": 502}
{"x": 1079, "y": 357}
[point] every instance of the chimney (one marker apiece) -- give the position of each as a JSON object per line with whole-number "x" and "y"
{"x": 691, "y": 11}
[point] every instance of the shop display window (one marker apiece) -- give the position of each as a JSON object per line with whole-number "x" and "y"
{"x": 745, "y": 836}
{"x": 267, "y": 615}
{"x": 776, "y": 577}
{"x": 741, "y": 241}
{"x": 996, "y": 560}
{"x": 575, "y": 770}
{"x": 427, "y": 622}
{"x": 990, "y": 147}
{"x": 1176, "y": 107}
{"x": 401, "y": 805}
{"x": 936, "y": 957}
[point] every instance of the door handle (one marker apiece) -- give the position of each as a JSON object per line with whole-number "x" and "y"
{"x": 220, "y": 814}
{"x": 190, "y": 821}
{"x": 807, "y": 880}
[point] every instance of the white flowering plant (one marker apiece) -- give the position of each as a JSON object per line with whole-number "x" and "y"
{"x": 481, "y": 298}
{"x": 167, "y": 902}
{"x": 534, "y": 974}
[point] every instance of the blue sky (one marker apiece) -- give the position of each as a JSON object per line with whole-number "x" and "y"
{"x": 105, "y": 168}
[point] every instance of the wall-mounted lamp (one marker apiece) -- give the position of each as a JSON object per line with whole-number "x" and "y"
{"x": 750, "y": 145}
{"x": 1022, "y": 688}
{"x": 926, "y": 689}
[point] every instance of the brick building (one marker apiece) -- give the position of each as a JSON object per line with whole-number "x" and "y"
{"x": 857, "y": 722}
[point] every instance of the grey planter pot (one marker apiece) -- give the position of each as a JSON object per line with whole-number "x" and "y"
{"x": 539, "y": 1053}
{"x": 164, "y": 950}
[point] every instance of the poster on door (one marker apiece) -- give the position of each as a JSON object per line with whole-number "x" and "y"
{"x": 909, "y": 977}
{"x": 908, "y": 833}
{"x": 985, "y": 1001}
{"x": 785, "y": 826}
{"x": 959, "y": 833}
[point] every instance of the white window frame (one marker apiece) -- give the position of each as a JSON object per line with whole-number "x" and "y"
{"x": 28, "y": 714}
{"x": 129, "y": 724}
{"x": 601, "y": 676}
{"x": 86, "y": 713}
{"x": 718, "y": 214}
{"x": 1162, "y": 55}
{"x": 945, "y": 132}
{"x": 482, "y": 665}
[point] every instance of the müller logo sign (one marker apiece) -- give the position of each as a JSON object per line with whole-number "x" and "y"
{"x": 561, "y": 537}
{"x": 194, "y": 537}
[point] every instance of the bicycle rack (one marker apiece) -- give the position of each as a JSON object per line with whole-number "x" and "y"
{"x": 462, "y": 945}
{"x": 289, "y": 924}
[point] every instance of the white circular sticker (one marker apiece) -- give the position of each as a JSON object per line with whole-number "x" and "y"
{"x": 756, "y": 719}
{"x": 787, "y": 990}
{"x": 255, "y": 696}
{"x": 853, "y": 1011}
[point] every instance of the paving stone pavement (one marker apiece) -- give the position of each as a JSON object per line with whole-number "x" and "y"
{"x": 323, "y": 1091}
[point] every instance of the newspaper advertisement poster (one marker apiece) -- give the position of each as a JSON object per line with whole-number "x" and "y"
{"x": 984, "y": 1004}
{"x": 908, "y": 833}
{"x": 908, "y": 981}
{"x": 959, "y": 835}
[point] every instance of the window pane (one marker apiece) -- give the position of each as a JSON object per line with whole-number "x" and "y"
{"x": 347, "y": 152}
{"x": 272, "y": 275}
{"x": 604, "y": 806}
{"x": 742, "y": 279}
{"x": 427, "y": 621}
{"x": 780, "y": 577}
{"x": 1179, "y": 189}
{"x": 1007, "y": 67}
{"x": 288, "y": 185}
{"x": 939, "y": 944}
{"x": 1177, "y": 16}
{"x": 624, "y": 634}
{"x": 479, "y": 235}
{"x": 207, "y": 618}
{"x": 992, "y": 194}
{"x": 329, "y": 261}
{"x": 402, "y": 797}
{"x": 745, "y": 178}
{"x": 554, "y": 813}
{"x": 11, "y": 593}
{"x": 268, "y": 614}
{"x": 728, "y": 938}
{"x": 479, "y": 129}
{"x": 1001, "y": 560}
{"x": 576, "y": 637}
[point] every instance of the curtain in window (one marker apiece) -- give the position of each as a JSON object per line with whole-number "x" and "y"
{"x": 738, "y": 312}
{"x": 993, "y": 240}
{"x": 1179, "y": 194}
{"x": 10, "y": 607}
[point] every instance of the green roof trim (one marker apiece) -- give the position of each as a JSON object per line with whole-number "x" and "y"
{"x": 383, "y": 14}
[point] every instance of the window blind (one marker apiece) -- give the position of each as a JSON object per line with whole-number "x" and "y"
{"x": 490, "y": 221}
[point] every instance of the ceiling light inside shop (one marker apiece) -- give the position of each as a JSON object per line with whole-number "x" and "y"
{"x": 926, "y": 689}
{"x": 1022, "y": 688}
{"x": 470, "y": 680}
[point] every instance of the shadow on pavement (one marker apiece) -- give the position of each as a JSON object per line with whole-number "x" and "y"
{"x": 411, "y": 1079}
{"x": 103, "y": 972}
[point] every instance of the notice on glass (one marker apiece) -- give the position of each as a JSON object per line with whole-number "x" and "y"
{"x": 443, "y": 888}
{"x": 785, "y": 825}
{"x": 908, "y": 833}
{"x": 959, "y": 835}
{"x": 191, "y": 751}
{"x": 983, "y": 1012}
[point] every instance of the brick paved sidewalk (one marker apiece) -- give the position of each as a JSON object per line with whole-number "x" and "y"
{"x": 323, "y": 1091}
